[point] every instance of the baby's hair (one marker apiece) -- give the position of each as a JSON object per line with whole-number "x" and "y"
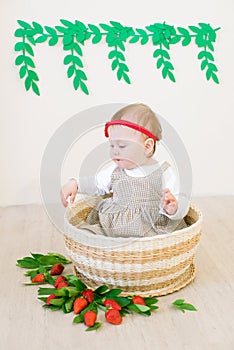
{"x": 142, "y": 115}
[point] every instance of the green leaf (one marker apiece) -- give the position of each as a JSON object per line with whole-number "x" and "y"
{"x": 76, "y": 82}
{"x": 41, "y": 38}
{"x": 186, "y": 41}
{"x": 19, "y": 32}
{"x": 70, "y": 71}
{"x": 24, "y": 24}
{"x": 204, "y": 64}
{"x": 126, "y": 78}
{"x": 53, "y": 41}
{"x": 57, "y": 301}
{"x": 181, "y": 305}
{"x": 35, "y": 88}
{"x": 29, "y": 61}
{"x": 77, "y": 61}
{"x": 122, "y": 301}
{"x": 175, "y": 39}
{"x": 67, "y": 39}
{"x": 35, "y": 255}
{"x": 215, "y": 78}
{"x": 200, "y": 41}
{"x": 106, "y": 27}
{"x": 164, "y": 72}
{"x": 67, "y": 23}
{"x": 101, "y": 290}
{"x": 183, "y": 31}
{"x": 47, "y": 291}
{"x": 165, "y": 54}
{"x": 84, "y": 87}
{"x": 19, "y": 46}
{"x": 81, "y": 74}
{"x": 124, "y": 67}
{"x": 138, "y": 308}
{"x": 134, "y": 39}
{"x": 117, "y": 25}
{"x": 19, "y": 60}
{"x": 38, "y": 27}
{"x": 28, "y": 262}
{"x": 114, "y": 64}
{"x": 68, "y": 59}
{"x": 208, "y": 74}
{"x": 78, "y": 319}
{"x": 31, "y": 40}
{"x": 62, "y": 29}
{"x": 206, "y": 54}
{"x": 97, "y": 38}
{"x": 113, "y": 293}
{"x": 96, "y": 326}
{"x": 51, "y": 31}
{"x": 195, "y": 29}
{"x": 33, "y": 75}
{"x": 149, "y": 301}
{"x": 157, "y": 53}
{"x": 77, "y": 48}
{"x": 28, "y": 83}
{"x": 29, "y": 49}
{"x": 80, "y": 25}
{"x": 171, "y": 76}
{"x": 69, "y": 304}
{"x": 160, "y": 62}
{"x": 22, "y": 72}
{"x": 210, "y": 45}
{"x": 62, "y": 258}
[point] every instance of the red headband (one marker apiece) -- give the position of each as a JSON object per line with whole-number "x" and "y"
{"x": 130, "y": 125}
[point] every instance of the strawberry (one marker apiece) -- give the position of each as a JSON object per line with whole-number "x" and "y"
{"x": 90, "y": 318}
{"x": 138, "y": 300}
{"x": 113, "y": 304}
{"x": 88, "y": 293}
{"x": 52, "y": 296}
{"x": 79, "y": 305}
{"x": 57, "y": 269}
{"x": 39, "y": 278}
{"x": 113, "y": 316}
{"x": 58, "y": 280}
{"x": 62, "y": 284}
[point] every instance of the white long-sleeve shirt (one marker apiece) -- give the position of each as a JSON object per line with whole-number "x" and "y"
{"x": 101, "y": 184}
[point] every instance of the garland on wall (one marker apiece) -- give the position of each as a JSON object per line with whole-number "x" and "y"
{"x": 74, "y": 35}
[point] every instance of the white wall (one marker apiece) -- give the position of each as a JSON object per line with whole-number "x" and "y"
{"x": 200, "y": 111}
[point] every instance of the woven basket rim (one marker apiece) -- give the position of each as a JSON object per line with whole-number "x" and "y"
{"x": 142, "y": 239}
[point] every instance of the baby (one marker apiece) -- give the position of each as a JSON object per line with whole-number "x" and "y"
{"x": 143, "y": 203}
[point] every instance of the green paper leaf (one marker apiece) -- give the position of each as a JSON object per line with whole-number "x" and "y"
{"x": 80, "y": 37}
{"x": 70, "y": 71}
{"x": 77, "y": 61}
{"x": 38, "y": 27}
{"x": 29, "y": 61}
{"x": 165, "y": 54}
{"x": 77, "y": 48}
{"x": 186, "y": 41}
{"x": 33, "y": 75}
{"x": 41, "y": 38}
{"x": 208, "y": 74}
{"x": 29, "y": 49}
{"x": 206, "y": 54}
{"x": 134, "y": 39}
{"x": 31, "y": 40}
{"x": 96, "y": 326}
{"x": 106, "y": 27}
{"x": 67, "y": 39}
{"x": 166, "y": 44}
{"x": 204, "y": 64}
{"x": 195, "y": 29}
{"x": 84, "y": 87}
{"x": 76, "y": 82}
{"x": 19, "y": 60}
{"x": 183, "y": 31}
{"x": 24, "y": 24}
{"x": 19, "y": 32}
{"x": 80, "y": 25}
{"x": 126, "y": 78}
{"x": 28, "y": 83}
{"x": 215, "y": 78}
{"x": 97, "y": 38}
{"x": 68, "y": 59}
{"x": 67, "y": 23}
{"x": 51, "y": 31}
{"x": 124, "y": 67}
{"x": 200, "y": 41}
{"x": 160, "y": 62}
{"x": 81, "y": 74}
{"x": 175, "y": 39}
{"x": 117, "y": 25}
{"x": 22, "y": 72}
{"x": 53, "y": 41}
{"x": 164, "y": 72}
{"x": 19, "y": 46}
{"x": 114, "y": 64}
{"x": 35, "y": 88}
{"x": 171, "y": 76}
{"x": 210, "y": 45}
{"x": 62, "y": 29}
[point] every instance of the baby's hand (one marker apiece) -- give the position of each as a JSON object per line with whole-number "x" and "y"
{"x": 69, "y": 189}
{"x": 169, "y": 202}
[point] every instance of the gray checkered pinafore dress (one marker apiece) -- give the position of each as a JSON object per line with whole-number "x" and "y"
{"x": 133, "y": 211}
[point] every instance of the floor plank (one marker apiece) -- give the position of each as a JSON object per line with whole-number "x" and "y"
{"x": 24, "y": 324}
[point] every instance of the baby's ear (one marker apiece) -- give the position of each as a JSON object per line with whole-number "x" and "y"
{"x": 149, "y": 146}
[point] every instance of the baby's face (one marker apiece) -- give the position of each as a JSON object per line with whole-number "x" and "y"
{"x": 127, "y": 147}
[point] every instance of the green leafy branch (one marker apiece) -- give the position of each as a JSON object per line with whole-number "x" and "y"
{"x": 74, "y": 35}
{"x": 116, "y": 36}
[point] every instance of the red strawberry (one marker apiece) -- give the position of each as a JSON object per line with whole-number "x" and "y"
{"x": 58, "y": 280}
{"x": 138, "y": 300}
{"x": 113, "y": 316}
{"x": 113, "y": 304}
{"x": 57, "y": 269}
{"x": 79, "y": 305}
{"x": 62, "y": 284}
{"x": 90, "y": 318}
{"x": 39, "y": 278}
{"x": 88, "y": 293}
{"x": 52, "y": 296}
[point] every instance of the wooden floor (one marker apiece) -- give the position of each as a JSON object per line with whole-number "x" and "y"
{"x": 26, "y": 325}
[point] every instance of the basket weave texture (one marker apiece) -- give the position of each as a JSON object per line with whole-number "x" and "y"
{"x": 149, "y": 266}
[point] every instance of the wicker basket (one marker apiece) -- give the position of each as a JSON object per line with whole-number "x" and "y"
{"x": 149, "y": 266}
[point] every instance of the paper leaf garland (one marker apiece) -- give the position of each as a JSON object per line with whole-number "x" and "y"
{"x": 117, "y": 36}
